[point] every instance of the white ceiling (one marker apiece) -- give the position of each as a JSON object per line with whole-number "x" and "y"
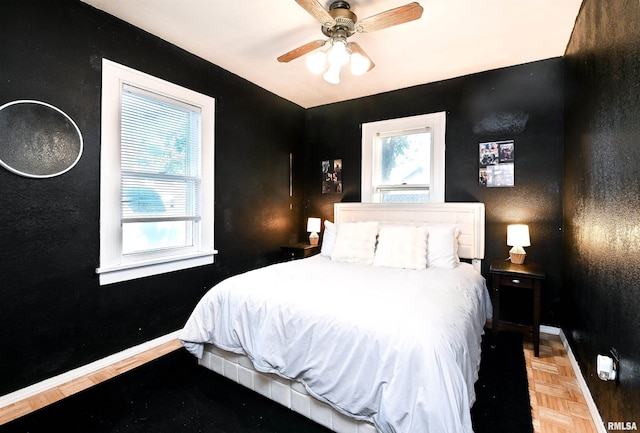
{"x": 453, "y": 38}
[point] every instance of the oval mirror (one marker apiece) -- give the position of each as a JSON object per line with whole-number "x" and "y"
{"x": 38, "y": 139}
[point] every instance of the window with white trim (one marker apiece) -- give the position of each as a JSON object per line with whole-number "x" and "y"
{"x": 156, "y": 178}
{"x": 403, "y": 160}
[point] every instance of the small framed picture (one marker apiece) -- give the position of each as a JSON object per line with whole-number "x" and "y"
{"x": 497, "y": 164}
{"x": 332, "y": 176}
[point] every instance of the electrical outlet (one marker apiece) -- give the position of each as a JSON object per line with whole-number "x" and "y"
{"x": 607, "y": 366}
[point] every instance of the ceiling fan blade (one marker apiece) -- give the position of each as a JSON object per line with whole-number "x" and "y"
{"x": 355, "y": 48}
{"x": 392, "y": 17}
{"x": 301, "y": 51}
{"x": 315, "y": 9}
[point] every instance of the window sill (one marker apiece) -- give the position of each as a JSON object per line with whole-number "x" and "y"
{"x": 116, "y": 274}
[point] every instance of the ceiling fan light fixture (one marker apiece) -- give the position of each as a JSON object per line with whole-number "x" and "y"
{"x": 332, "y": 75}
{"x": 339, "y": 23}
{"x": 359, "y": 64}
{"x": 316, "y": 62}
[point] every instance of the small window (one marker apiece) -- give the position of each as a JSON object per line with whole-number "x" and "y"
{"x": 403, "y": 166}
{"x": 403, "y": 160}
{"x": 156, "y": 176}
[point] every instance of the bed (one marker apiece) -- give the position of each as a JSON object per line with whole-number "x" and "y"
{"x": 372, "y": 335}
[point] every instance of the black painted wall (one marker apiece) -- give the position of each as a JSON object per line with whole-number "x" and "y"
{"x": 53, "y": 314}
{"x": 602, "y": 201}
{"x": 523, "y": 103}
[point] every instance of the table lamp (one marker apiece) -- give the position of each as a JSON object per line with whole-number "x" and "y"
{"x": 313, "y": 226}
{"x": 518, "y": 237}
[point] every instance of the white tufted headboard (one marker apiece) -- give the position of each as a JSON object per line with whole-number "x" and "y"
{"x": 468, "y": 217}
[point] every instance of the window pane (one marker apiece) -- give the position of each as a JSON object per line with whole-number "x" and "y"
{"x": 158, "y": 136}
{"x": 405, "y": 159}
{"x": 149, "y": 236}
{"x": 394, "y": 196}
{"x": 160, "y": 145}
{"x": 158, "y": 198}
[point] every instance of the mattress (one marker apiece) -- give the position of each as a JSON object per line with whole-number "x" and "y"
{"x": 396, "y": 348}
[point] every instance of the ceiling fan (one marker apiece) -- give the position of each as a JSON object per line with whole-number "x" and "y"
{"x": 338, "y": 23}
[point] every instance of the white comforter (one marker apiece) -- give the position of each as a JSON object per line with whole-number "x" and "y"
{"x": 399, "y": 348}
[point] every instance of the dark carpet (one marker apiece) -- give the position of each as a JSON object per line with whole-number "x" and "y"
{"x": 173, "y": 394}
{"x": 502, "y": 390}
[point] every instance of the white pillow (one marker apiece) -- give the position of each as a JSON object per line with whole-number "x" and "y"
{"x": 355, "y": 242}
{"x": 328, "y": 238}
{"x": 442, "y": 247}
{"x": 401, "y": 247}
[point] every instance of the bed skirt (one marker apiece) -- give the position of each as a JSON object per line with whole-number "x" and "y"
{"x": 288, "y": 393}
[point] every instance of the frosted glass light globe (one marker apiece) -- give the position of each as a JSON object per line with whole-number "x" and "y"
{"x": 332, "y": 75}
{"x": 359, "y": 64}
{"x": 338, "y": 54}
{"x": 316, "y": 62}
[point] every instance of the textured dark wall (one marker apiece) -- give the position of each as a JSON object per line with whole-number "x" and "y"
{"x": 523, "y": 103}
{"x": 53, "y": 314}
{"x": 602, "y": 201}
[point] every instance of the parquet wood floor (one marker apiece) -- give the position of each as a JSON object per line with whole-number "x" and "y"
{"x": 557, "y": 403}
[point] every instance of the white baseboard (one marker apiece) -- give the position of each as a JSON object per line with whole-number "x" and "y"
{"x": 595, "y": 414}
{"x": 45, "y": 385}
{"x": 551, "y": 330}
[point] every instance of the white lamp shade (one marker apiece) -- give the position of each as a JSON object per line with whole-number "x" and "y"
{"x": 518, "y": 235}
{"x": 313, "y": 225}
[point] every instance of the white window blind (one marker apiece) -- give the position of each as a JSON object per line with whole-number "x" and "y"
{"x": 160, "y": 179}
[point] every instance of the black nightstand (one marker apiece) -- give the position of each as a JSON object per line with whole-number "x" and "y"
{"x": 505, "y": 276}
{"x": 300, "y": 250}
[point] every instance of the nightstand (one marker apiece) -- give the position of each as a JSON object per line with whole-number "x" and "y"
{"x": 300, "y": 250}
{"x": 507, "y": 277}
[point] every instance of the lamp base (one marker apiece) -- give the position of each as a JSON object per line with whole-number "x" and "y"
{"x": 517, "y": 259}
{"x": 313, "y": 238}
{"x": 517, "y": 255}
